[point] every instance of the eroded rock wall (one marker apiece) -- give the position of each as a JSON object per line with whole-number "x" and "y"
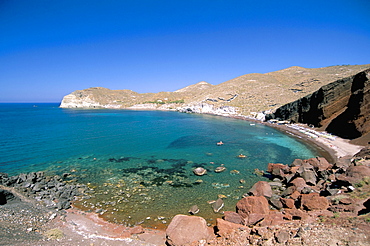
{"x": 342, "y": 107}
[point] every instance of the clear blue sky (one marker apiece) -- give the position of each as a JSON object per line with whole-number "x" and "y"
{"x": 50, "y": 48}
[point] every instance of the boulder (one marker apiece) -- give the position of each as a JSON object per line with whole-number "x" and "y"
{"x": 309, "y": 176}
{"x": 295, "y": 214}
{"x": 224, "y": 228}
{"x": 277, "y": 169}
{"x": 299, "y": 183}
{"x": 272, "y": 219}
{"x": 287, "y": 203}
{"x": 252, "y": 204}
{"x": 319, "y": 163}
{"x": 261, "y": 188}
{"x": 185, "y": 230}
{"x": 233, "y": 217}
{"x": 282, "y": 236}
{"x": 313, "y": 201}
{"x": 354, "y": 174}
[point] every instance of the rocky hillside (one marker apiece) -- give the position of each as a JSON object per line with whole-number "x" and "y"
{"x": 334, "y": 98}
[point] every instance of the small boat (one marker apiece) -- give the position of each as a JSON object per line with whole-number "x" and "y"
{"x": 220, "y": 143}
{"x": 242, "y": 156}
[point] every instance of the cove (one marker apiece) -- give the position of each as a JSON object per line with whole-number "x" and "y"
{"x": 138, "y": 164}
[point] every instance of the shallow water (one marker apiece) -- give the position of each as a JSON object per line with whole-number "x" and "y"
{"x": 139, "y": 163}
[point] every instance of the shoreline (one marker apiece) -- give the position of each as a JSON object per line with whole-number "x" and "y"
{"x": 88, "y": 227}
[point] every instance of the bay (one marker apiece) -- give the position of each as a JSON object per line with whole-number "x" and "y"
{"x": 139, "y": 163}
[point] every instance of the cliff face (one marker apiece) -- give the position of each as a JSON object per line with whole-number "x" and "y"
{"x": 341, "y": 107}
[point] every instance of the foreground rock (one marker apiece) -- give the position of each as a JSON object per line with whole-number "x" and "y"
{"x": 187, "y": 230}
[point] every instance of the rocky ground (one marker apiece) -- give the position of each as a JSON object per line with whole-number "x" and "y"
{"x": 309, "y": 202}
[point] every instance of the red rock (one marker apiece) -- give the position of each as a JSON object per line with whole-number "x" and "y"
{"x": 253, "y": 219}
{"x": 233, "y": 217}
{"x": 299, "y": 183}
{"x": 275, "y": 169}
{"x": 282, "y": 236}
{"x": 355, "y": 174}
{"x": 309, "y": 176}
{"x": 287, "y": 203}
{"x": 295, "y": 195}
{"x": 185, "y": 230}
{"x": 295, "y": 214}
{"x": 272, "y": 219}
{"x": 225, "y": 227}
{"x": 297, "y": 163}
{"x": 252, "y": 204}
{"x": 294, "y": 169}
{"x": 320, "y": 163}
{"x": 261, "y": 188}
{"x": 136, "y": 230}
{"x": 313, "y": 201}
{"x": 288, "y": 191}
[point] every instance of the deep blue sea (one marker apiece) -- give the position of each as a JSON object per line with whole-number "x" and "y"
{"x": 140, "y": 163}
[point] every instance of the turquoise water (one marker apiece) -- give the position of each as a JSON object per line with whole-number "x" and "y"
{"x": 139, "y": 163}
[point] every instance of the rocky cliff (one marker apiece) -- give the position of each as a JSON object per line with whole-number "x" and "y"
{"x": 334, "y": 98}
{"x": 341, "y": 107}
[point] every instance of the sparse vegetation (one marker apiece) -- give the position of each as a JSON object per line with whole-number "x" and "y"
{"x": 54, "y": 234}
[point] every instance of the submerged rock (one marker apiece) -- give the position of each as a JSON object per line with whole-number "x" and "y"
{"x": 218, "y": 205}
{"x": 199, "y": 171}
{"x": 220, "y": 169}
{"x": 194, "y": 209}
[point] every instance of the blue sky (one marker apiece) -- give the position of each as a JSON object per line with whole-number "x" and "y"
{"x": 50, "y": 48}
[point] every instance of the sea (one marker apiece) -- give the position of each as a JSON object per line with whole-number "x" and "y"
{"x": 138, "y": 165}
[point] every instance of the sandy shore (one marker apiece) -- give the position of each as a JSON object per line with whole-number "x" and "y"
{"x": 332, "y": 147}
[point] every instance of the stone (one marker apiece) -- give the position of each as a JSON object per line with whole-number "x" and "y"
{"x": 253, "y": 219}
{"x": 224, "y": 228}
{"x": 319, "y": 163}
{"x": 295, "y": 214}
{"x": 272, "y": 219}
{"x": 252, "y": 204}
{"x": 287, "y": 203}
{"x": 277, "y": 169}
{"x": 288, "y": 191}
{"x": 355, "y": 174}
{"x": 276, "y": 203}
{"x": 282, "y": 236}
{"x": 185, "y": 230}
{"x": 261, "y": 188}
{"x": 220, "y": 169}
{"x": 313, "y": 201}
{"x": 233, "y": 217}
{"x": 199, "y": 171}
{"x": 309, "y": 176}
{"x": 63, "y": 204}
{"x": 295, "y": 195}
{"x": 218, "y": 205}
{"x": 299, "y": 183}
{"x": 297, "y": 163}
{"x": 194, "y": 209}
